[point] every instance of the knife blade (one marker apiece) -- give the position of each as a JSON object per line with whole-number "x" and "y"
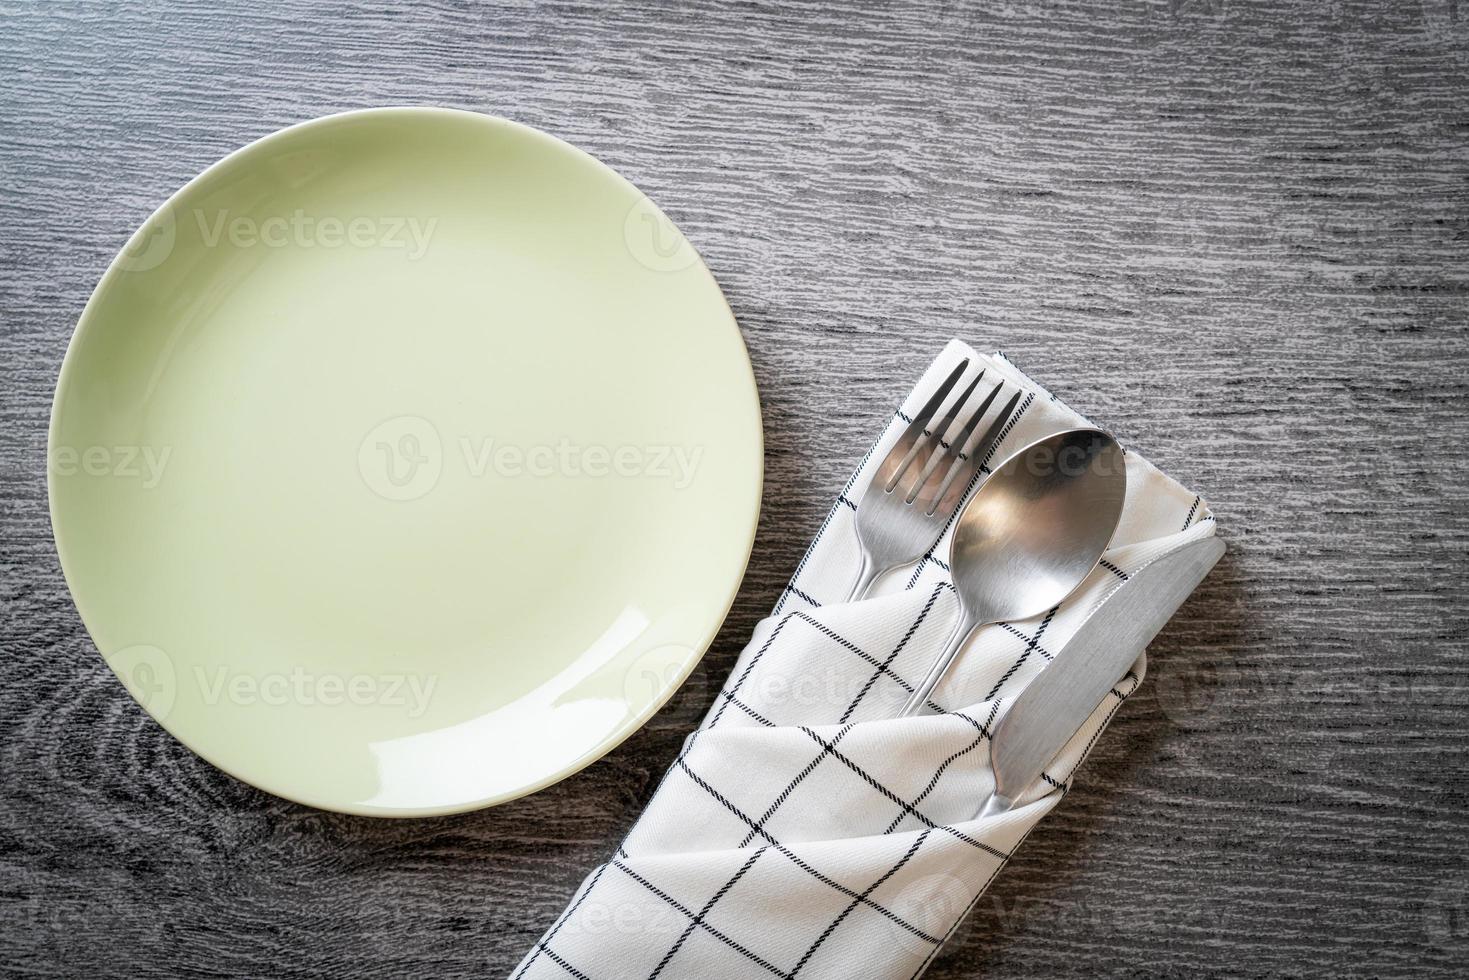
{"x": 1063, "y": 696}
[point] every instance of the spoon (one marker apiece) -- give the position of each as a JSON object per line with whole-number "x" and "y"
{"x": 1033, "y": 532}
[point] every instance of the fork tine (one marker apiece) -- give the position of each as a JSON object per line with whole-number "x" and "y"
{"x": 912, "y": 438}
{"x": 977, "y": 455}
{"x": 939, "y": 448}
{"x": 953, "y": 412}
{"x": 921, "y": 419}
{"x": 956, "y": 446}
{"x": 953, "y": 454}
{"x": 986, "y": 443}
{"x": 956, "y": 455}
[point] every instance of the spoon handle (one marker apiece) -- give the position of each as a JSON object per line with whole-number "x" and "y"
{"x": 965, "y": 625}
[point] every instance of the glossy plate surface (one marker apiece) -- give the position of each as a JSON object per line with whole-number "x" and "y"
{"x": 405, "y": 462}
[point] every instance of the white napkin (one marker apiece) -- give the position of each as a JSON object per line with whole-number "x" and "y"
{"x": 803, "y": 832}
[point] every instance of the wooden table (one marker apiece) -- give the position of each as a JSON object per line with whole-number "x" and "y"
{"x": 1235, "y": 233}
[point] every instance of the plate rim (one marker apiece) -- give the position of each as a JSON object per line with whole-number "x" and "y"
{"x": 65, "y": 380}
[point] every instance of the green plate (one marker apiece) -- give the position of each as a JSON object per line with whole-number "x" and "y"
{"x": 405, "y": 462}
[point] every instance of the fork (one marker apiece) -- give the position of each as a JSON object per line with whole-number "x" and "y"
{"x": 920, "y": 483}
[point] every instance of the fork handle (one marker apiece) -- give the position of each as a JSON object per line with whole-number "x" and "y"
{"x": 957, "y": 637}
{"x": 867, "y": 573}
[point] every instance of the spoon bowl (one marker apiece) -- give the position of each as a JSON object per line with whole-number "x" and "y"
{"x": 1032, "y": 533}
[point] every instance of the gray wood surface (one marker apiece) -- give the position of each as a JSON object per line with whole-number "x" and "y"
{"x": 1236, "y": 233}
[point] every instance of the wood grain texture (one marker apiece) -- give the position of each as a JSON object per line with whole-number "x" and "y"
{"x": 1236, "y": 233}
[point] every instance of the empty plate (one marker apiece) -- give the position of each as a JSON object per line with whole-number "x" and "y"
{"x": 405, "y": 462}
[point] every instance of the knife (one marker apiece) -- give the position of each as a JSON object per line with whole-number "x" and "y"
{"x": 1059, "y": 701}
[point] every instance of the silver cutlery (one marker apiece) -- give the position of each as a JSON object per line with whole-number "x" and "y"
{"x": 1030, "y": 535}
{"x": 921, "y": 481}
{"x": 1063, "y": 696}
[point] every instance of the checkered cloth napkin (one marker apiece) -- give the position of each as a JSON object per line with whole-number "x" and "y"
{"x": 802, "y": 830}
